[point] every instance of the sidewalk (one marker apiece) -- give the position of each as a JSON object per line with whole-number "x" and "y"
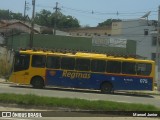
{"x": 2, "y": 80}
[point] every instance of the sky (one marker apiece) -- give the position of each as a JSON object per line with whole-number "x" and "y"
{"x": 90, "y": 12}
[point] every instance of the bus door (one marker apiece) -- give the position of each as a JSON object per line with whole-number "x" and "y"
{"x": 21, "y": 68}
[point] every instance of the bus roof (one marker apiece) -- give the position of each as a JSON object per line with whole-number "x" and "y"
{"x": 85, "y": 55}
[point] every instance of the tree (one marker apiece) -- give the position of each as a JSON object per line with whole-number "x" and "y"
{"x": 46, "y": 18}
{"x": 7, "y": 15}
{"x": 43, "y": 18}
{"x": 108, "y": 22}
{"x": 4, "y": 14}
{"x": 67, "y": 22}
{"x": 17, "y": 16}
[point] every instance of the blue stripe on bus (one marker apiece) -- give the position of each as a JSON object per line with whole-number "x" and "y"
{"x": 94, "y": 80}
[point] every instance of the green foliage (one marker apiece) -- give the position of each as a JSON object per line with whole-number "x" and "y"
{"x": 6, "y": 14}
{"x": 43, "y": 18}
{"x": 108, "y": 22}
{"x": 17, "y": 16}
{"x": 46, "y": 18}
{"x": 31, "y": 99}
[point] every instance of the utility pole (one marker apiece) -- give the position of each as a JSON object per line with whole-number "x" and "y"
{"x": 25, "y": 5}
{"x": 55, "y": 21}
{"x": 32, "y": 25}
{"x": 25, "y": 9}
{"x": 158, "y": 51}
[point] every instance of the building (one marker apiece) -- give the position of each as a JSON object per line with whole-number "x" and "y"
{"x": 89, "y": 31}
{"x": 139, "y": 30}
{"x": 25, "y": 27}
{"x": 143, "y": 32}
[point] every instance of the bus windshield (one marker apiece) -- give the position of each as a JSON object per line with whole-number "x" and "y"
{"x": 21, "y": 62}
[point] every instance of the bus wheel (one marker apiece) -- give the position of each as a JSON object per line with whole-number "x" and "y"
{"x": 37, "y": 82}
{"x": 106, "y": 88}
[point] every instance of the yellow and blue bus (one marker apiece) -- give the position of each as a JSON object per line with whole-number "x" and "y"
{"x": 82, "y": 70}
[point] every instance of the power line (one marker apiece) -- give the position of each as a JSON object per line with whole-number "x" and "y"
{"x": 104, "y": 13}
{"x": 90, "y": 13}
{"x": 43, "y": 6}
{"x": 117, "y": 13}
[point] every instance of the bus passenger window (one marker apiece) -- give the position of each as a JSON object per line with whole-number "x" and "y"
{"x": 98, "y": 65}
{"x": 53, "y": 62}
{"x": 144, "y": 69}
{"x": 113, "y": 67}
{"x": 128, "y": 68}
{"x": 38, "y": 61}
{"x": 67, "y": 63}
{"x": 83, "y": 64}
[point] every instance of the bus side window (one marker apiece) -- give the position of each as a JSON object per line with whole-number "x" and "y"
{"x": 67, "y": 63}
{"x": 144, "y": 69}
{"x": 128, "y": 68}
{"x": 83, "y": 64}
{"x": 38, "y": 61}
{"x": 113, "y": 67}
{"x": 98, "y": 65}
{"x": 53, "y": 62}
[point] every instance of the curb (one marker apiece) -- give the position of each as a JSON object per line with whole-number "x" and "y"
{"x": 144, "y": 93}
{"x": 4, "y": 81}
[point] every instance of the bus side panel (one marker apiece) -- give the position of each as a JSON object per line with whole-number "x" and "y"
{"x": 66, "y": 78}
{"x": 121, "y": 82}
{"x": 70, "y": 79}
{"x": 94, "y": 80}
{"x": 131, "y": 83}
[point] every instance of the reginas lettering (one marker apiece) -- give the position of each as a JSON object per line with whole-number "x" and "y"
{"x": 73, "y": 75}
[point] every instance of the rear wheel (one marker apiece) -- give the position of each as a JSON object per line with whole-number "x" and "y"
{"x": 106, "y": 88}
{"x": 37, "y": 82}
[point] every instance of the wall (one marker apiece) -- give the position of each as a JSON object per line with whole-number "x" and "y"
{"x": 116, "y": 28}
{"x": 67, "y": 42}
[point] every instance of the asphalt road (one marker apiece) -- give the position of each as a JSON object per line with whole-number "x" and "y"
{"x": 74, "y": 93}
{"x": 82, "y": 94}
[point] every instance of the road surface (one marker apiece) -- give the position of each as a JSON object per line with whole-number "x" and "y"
{"x": 74, "y": 93}
{"x": 82, "y": 94}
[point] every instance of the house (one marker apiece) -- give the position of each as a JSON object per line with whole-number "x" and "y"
{"x": 9, "y": 25}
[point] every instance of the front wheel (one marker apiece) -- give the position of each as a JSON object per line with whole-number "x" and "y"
{"x": 106, "y": 88}
{"x": 37, "y": 82}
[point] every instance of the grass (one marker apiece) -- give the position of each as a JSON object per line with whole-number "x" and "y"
{"x": 30, "y": 99}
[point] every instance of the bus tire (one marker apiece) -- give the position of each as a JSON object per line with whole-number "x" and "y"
{"x": 37, "y": 82}
{"x": 106, "y": 87}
